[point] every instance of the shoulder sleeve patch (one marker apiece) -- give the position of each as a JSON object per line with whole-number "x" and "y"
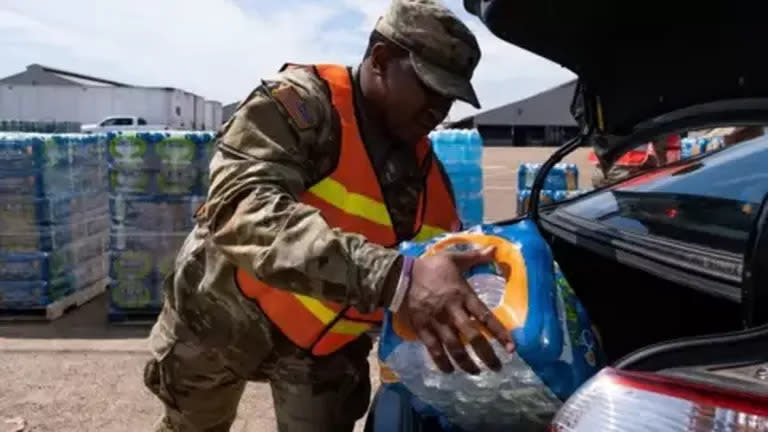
{"x": 294, "y": 105}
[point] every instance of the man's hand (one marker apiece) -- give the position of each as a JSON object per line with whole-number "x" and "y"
{"x": 440, "y": 306}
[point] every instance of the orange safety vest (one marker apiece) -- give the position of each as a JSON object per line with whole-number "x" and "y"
{"x": 350, "y": 199}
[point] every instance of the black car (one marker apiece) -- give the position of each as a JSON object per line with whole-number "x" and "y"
{"x": 672, "y": 263}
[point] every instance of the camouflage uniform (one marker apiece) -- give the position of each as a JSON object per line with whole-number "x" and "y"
{"x": 209, "y": 339}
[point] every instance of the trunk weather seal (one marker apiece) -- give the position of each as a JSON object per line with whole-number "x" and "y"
{"x": 707, "y": 349}
{"x": 538, "y": 184}
{"x": 649, "y": 264}
{"x": 665, "y": 251}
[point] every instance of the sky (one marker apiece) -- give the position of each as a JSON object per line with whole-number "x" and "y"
{"x": 221, "y": 49}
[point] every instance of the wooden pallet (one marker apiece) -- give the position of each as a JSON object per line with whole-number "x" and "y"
{"x": 58, "y": 308}
{"x": 139, "y": 317}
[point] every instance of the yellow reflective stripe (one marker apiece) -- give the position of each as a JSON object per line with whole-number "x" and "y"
{"x": 326, "y": 315}
{"x": 336, "y": 194}
{"x": 350, "y": 327}
{"x": 318, "y": 309}
{"x": 427, "y": 232}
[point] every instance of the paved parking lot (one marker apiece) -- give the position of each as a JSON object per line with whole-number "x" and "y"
{"x": 79, "y": 374}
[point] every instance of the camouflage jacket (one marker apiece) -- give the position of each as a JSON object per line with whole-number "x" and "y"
{"x": 266, "y": 157}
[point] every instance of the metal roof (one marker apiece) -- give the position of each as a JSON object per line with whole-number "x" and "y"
{"x": 42, "y": 75}
{"x": 548, "y": 108}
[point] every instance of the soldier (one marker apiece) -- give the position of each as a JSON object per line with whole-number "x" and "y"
{"x": 320, "y": 172}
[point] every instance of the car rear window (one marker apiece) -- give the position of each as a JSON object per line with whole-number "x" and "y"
{"x": 710, "y": 201}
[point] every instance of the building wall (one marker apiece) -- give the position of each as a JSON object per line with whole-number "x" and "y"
{"x": 213, "y": 115}
{"x": 526, "y": 136}
{"x": 81, "y": 104}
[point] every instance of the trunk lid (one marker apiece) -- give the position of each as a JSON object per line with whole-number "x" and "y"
{"x": 639, "y": 61}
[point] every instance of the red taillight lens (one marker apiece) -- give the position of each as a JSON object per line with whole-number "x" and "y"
{"x": 616, "y": 401}
{"x": 671, "y": 213}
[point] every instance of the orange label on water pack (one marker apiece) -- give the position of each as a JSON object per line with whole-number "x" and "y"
{"x": 513, "y": 309}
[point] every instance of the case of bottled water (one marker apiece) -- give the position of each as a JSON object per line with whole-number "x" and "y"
{"x": 561, "y": 177}
{"x": 556, "y": 348}
{"x": 461, "y": 153}
{"x": 562, "y": 182}
{"x": 157, "y": 180}
{"x": 690, "y": 147}
{"x": 54, "y": 220}
{"x": 546, "y": 197}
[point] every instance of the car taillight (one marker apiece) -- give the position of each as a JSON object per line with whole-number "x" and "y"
{"x": 628, "y": 402}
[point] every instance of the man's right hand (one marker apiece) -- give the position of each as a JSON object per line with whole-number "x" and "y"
{"x": 441, "y": 309}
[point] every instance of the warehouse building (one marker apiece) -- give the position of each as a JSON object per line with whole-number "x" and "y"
{"x": 541, "y": 120}
{"x": 45, "y": 94}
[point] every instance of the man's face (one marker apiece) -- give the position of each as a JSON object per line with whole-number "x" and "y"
{"x": 412, "y": 109}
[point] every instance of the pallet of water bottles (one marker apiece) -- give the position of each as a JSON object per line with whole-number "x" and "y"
{"x": 157, "y": 180}
{"x": 562, "y": 183}
{"x": 54, "y": 223}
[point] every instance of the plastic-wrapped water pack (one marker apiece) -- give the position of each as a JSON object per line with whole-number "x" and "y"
{"x": 556, "y": 349}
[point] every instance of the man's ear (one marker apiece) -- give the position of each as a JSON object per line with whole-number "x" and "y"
{"x": 380, "y": 57}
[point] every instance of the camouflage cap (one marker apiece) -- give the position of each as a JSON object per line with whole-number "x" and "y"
{"x": 443, "y": 51}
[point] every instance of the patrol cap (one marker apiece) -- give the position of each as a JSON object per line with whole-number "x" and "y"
{"x": 443, "y": 51}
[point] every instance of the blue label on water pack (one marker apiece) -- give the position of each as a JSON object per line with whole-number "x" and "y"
{"x": 154, "y": 150}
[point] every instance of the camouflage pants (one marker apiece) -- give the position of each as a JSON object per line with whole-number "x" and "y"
{"x": 201, "y": 390}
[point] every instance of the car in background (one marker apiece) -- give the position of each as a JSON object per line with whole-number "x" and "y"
{"x": 121, "y": 123}
{"x": 671, "y": 260}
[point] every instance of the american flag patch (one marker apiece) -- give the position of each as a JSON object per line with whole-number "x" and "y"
{"x": 294, "y": 105}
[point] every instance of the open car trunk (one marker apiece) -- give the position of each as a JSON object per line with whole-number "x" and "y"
{"x": 644, "y": 70}
{"x": 633, "y": 309}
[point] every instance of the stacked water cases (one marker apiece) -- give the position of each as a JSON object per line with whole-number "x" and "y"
{"x": 692, "y": 147}
{"x": 54, "y": 222}
{"x": 561, "y": 183}
{"x": 461, "y": 153}
{"x": 157, "y": 180}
